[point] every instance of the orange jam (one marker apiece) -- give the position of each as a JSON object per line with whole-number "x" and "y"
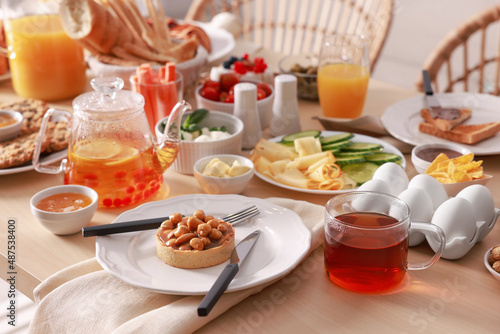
{"x": 6, "y": 120}
{"x": 64, "y": 202}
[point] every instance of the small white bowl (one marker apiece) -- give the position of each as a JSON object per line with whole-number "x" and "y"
{"x": 191, "y": 151}
{"x": 422, "y": 164}
{"x": 454, "y": 188}
{"x": 12, "y": 130}
{"x": 488, "y": 266}
{"x": 64, "y": 223}
{"x": 223, "y": 185}
{"x": 264, "y": 106}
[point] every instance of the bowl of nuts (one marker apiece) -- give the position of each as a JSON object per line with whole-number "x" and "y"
{"x": 305, "y": 68}
{"x": 492, "y": 261}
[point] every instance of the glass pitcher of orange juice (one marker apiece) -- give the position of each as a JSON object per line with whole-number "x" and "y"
{"x": 343, "y": 75}
{"x": 44, "y": 62}
{"x": 111, "y": 148}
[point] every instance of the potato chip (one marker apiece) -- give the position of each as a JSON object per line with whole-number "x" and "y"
{"x": 460, "y": 169}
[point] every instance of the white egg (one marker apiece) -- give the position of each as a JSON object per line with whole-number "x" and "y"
{"x": 376, "y": 185}
{"x": 482, "y": 201}
{"x": 431, "y": 186}
{"x": 421, "y": 210}
{"x": 371, "y": 203}
{"x": 456, "y": 217}
{"x": 394, "y": 175}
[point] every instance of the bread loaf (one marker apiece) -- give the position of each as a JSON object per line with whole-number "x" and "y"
{"x": 466, "y": 134}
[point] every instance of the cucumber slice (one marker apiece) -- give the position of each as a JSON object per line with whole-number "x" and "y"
{"x": 334, "y": 151}
{"x": 360, "y": 172}
{"x": 343, "y": 160}
{"x": 363, "y": 147}
{"x": 309, "y": 133}
{"x": 348, "y": 154}
{"x": 380, "y": 158}
{"x": 336, "y": 146}
{"x": 336, "y": 138}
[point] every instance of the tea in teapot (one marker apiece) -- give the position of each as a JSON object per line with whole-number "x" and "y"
{"x": 111, "y": 148}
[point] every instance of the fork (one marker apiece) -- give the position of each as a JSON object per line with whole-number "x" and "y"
{"x": 152, "y": 223}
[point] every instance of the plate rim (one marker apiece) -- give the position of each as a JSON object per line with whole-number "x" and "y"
{"x": 392, "y": 114}
{"x": 301, "y": 251}
{"x": 329, "y": 192}
{"x": 49, "y": 159}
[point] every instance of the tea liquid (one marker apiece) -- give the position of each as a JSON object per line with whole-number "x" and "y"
{"x": 362, "y": 261}
{"x": 120, "y": 174}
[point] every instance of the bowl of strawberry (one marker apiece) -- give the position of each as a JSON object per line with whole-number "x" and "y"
{"x": 219, "y": 96}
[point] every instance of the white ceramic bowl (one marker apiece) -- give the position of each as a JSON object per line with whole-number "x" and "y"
{"x": 192, "y": 151}
{"x": 64, "y": 223}
{"x": 421, "y": 164}
{"x": 264, "y": 106}
{"x": 454, "y": 188}
{"x": 488, "y": 266}
{"x": 223, "y": 185}
{"x": 12, "y": 130}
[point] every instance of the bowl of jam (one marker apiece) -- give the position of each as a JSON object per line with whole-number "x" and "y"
{"x": 423, "y": 155}
{"x": 64, "y": 209}
{"x": 10, "y": 124}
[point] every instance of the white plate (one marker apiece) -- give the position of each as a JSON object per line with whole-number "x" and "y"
{"x": 132, "y": 258}
{"x": 401, "y": 119}
{"x": 49, "y": 159}
{"x": 222, "y": 42}
{"x": 357, "y": 138}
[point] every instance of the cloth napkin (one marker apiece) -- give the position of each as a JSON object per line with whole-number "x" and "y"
{"x": 366, "y": 125}
{"x": 84, "y": 298}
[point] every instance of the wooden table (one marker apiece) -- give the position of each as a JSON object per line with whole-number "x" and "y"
{"x": 458, "y": 296}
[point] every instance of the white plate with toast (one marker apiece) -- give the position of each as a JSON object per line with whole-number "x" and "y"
{"x": 401, "y": 119}
{"x": 131, "y": 256}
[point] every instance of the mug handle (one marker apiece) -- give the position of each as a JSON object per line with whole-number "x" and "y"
{"x": 427, "y": 228}
{"x": 38, "y": 146}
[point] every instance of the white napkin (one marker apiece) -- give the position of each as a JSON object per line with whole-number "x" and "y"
{"x": 84, "y": 298}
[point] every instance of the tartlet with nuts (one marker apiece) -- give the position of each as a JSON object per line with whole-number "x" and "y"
{"x": 196, "y": 241}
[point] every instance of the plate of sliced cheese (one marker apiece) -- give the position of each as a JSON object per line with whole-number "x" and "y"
{"x": 322, "y": 162}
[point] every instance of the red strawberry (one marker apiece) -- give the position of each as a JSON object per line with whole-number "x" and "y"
{"x": 210, "y": 93}
{"x": 265, "y": 87}
{"x": 261, "y": 94}
{"x": 211, "y": 83}
{"x": 228, "y": 80}
{"x": 229, "y": 99}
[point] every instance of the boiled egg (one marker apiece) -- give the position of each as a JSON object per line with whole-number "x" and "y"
{"x": 394, "y": 175}
{"x": 421, "y": 210}
{"x": 431, "y": 186}
{"x": 376, "y": 185}
{"x": 482, "y": 201}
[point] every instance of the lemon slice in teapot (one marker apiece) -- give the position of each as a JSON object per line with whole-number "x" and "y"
{"x": 98, "y": 149}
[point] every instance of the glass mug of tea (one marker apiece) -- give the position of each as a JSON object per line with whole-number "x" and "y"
{"x": 343, "y": 75}
{"x": 366, "y": 241}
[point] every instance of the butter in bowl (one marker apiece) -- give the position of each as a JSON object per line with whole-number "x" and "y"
{"x": 224, "y": 173}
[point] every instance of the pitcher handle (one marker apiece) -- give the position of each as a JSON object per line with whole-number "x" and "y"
{"x": 41, "y": 135}
{"x": 438, "y": 234}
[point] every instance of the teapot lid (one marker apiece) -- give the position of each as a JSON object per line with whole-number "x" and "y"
{"x": 108, "y": 96}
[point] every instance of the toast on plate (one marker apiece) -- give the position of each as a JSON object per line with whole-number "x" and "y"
{"x": 466, "y": 134}
{"x": 443, "y": 123}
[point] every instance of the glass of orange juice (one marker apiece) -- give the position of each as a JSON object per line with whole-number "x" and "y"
{"x": 44, "y": 62}
{"x": 343, "y": 74}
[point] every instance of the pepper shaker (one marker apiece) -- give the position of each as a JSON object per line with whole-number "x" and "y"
{"x": 285, "y": 118}
{"x": 245, "y": 108}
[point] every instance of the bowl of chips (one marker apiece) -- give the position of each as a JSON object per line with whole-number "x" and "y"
{"x": 457, "y": 173}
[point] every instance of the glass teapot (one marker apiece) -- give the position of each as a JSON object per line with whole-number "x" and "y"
{"x": 111, "y": 148}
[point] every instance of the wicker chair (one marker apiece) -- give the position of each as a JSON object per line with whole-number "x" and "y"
{"x": 468, "y": 58}
{"x": 297, "y": 26}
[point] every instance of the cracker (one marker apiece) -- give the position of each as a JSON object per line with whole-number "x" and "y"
{"x": 19, "y": 150}
{"x": 32, "y": 110}
{"x": 58, "y": 137}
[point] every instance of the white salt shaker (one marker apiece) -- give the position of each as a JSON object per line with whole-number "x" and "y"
{"x": 245, "y": 108}
{"x": 285, "y": 118}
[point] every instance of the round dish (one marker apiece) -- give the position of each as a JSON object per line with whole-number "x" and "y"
{"x": 421, "y": 165}
{"x": 12, "y": 130}
{"x": 191, "y": 151}
{"x": 49, "y": 159}
{"x": 264, "y": 106}
{"x": 454, "y": 188}
{"x": 357, "y": 138}
{"x": 223, "y": 185}
{"x": 64, "y": 223}
{"x": 402, "y": 118}
{"x": 307, "y": 87}
{"x": 488, "y": 266}
{"x": 131, "y": 257}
